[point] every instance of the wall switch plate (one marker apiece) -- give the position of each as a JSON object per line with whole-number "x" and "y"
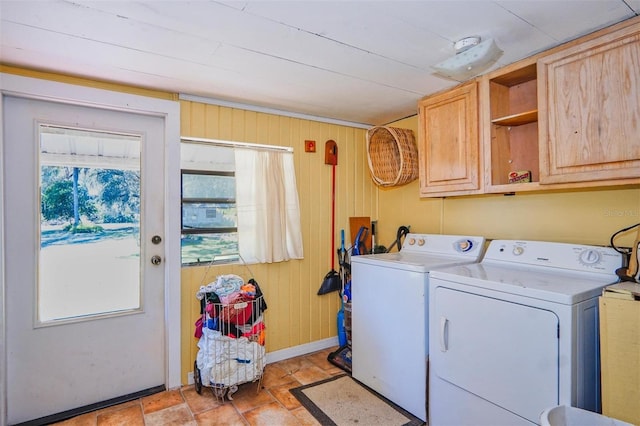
{"x": 309, "y": 146}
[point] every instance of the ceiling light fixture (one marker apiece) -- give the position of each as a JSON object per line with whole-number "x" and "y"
{"x": 472, "y": 57}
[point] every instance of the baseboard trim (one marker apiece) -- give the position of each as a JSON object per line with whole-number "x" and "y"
{"x": 307, "y": 348}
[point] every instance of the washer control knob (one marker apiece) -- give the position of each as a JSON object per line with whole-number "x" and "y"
{"x": 412, "y": 241}
{"x": 421, "y": 242}
{"x": 518, "y": 250}
{"x": 590, "y": 257}
{"x": 464, "y": 245}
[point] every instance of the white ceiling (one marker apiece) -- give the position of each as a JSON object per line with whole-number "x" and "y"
{"x": 364, "y": 62}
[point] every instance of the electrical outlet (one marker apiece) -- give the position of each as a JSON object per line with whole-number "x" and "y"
{"x": 309, "y": 146}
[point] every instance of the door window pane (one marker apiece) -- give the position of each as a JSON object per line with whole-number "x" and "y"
{"x": 89, "y": 257}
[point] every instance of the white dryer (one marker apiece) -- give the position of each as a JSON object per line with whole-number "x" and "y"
{"x": 390, "y": 333}
{"x": 517, "y": 333}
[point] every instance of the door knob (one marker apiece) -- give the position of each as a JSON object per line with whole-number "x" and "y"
{"x": 156, "y": 260}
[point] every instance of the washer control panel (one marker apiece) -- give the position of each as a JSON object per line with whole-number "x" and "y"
{"x": 463, "y": 245}
{"x": 443, "y": 244}
{"x": 568, "y": 256}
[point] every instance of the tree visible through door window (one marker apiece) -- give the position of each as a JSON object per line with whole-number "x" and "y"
{"x": 89, "y": 259}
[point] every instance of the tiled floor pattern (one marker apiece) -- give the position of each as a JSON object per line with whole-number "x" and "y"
{"x": 271, "y": 405}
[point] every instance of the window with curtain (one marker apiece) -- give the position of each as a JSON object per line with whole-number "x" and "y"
{"x": 239, "y": 202}
{"x": 268, "y": 207}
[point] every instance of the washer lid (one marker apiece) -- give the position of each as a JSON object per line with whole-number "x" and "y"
{"x": 410, "y": 261}
{"x": 536, "y": 282}
{"x": 423, "y": 252}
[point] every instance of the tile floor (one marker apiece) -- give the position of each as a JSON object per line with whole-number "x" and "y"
{"x": 272, "y": 405}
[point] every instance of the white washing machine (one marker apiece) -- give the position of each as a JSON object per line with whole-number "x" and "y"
{"x": 390, "y": 333}
{"x": 517, "y": 333}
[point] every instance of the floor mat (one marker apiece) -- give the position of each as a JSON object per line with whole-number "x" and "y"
{"x": 343, "y": 401}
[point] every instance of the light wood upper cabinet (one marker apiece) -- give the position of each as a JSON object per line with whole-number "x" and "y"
{"x": 589, "y": 118}
{"x": 568, "y": 117}
{"x": 448, "y": 143}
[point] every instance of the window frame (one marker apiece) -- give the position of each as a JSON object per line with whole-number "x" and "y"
{"x": 196, "y": 231}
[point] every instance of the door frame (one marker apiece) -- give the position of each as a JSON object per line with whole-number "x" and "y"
{"x": 27, "y": 87}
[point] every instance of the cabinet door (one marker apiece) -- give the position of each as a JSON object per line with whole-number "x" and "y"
{"x": 448, "y": 146}
{"x": 589, "y": 130}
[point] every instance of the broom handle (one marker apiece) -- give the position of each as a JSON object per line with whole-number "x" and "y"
{"x": 333, "y": 217}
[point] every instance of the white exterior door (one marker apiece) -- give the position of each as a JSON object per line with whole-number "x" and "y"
{"x": 85, "y": 313}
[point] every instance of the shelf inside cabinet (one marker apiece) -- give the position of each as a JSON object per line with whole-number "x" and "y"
{"x": 513, "y": 119}
{"x": 517, "y": 119}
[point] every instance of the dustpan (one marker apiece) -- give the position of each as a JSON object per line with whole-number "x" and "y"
{"x": 330, "y": 283}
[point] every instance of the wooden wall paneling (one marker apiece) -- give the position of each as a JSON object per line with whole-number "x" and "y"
{"x": 187, "y": 339}
{"x": 296, "y": 314}
{"x": 345, "y": 187}
{"x": 326, "y": 311}
{"x": 238, "y": 120}
{"x": 312, "y": 212}
{"x": 326, "y": 303}
{"x": 305, "y": 185}
{"x": 211, "y": 125}
{"x": 293, "y": 276}
{"x": 185, "y": 117}
{"x": 224, "y": 125}
{"x": 395, "y": 206}
{"x": 361, "y": 183}
{"x": 199, "y": 119}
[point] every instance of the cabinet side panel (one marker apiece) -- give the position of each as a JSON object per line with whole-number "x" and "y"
{"x": 620, "y": 357}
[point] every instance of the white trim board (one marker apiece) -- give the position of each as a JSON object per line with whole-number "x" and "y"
{"x": 305, "y": 349}
{"x": 237, "y": 105}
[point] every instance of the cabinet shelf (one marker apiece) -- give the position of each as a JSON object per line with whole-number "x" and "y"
{"x": 512, "y": 128}
{"x": 517, "y": 119}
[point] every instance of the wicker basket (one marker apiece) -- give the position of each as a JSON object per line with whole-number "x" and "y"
{"x": 393, "y": 155}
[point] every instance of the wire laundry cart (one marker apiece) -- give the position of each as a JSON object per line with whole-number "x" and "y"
{"x": 232, "y": 334}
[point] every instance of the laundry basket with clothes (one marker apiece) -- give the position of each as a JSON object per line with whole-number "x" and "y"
{"x": 231, "y": 333}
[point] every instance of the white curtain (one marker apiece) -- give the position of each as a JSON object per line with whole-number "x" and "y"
{"x": 268, "y": 209}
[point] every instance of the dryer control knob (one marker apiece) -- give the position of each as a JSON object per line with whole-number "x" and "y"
{"x": 421, "y": 242}
{"x": 518, "y": 250}
{"x": 412, "y": 241}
